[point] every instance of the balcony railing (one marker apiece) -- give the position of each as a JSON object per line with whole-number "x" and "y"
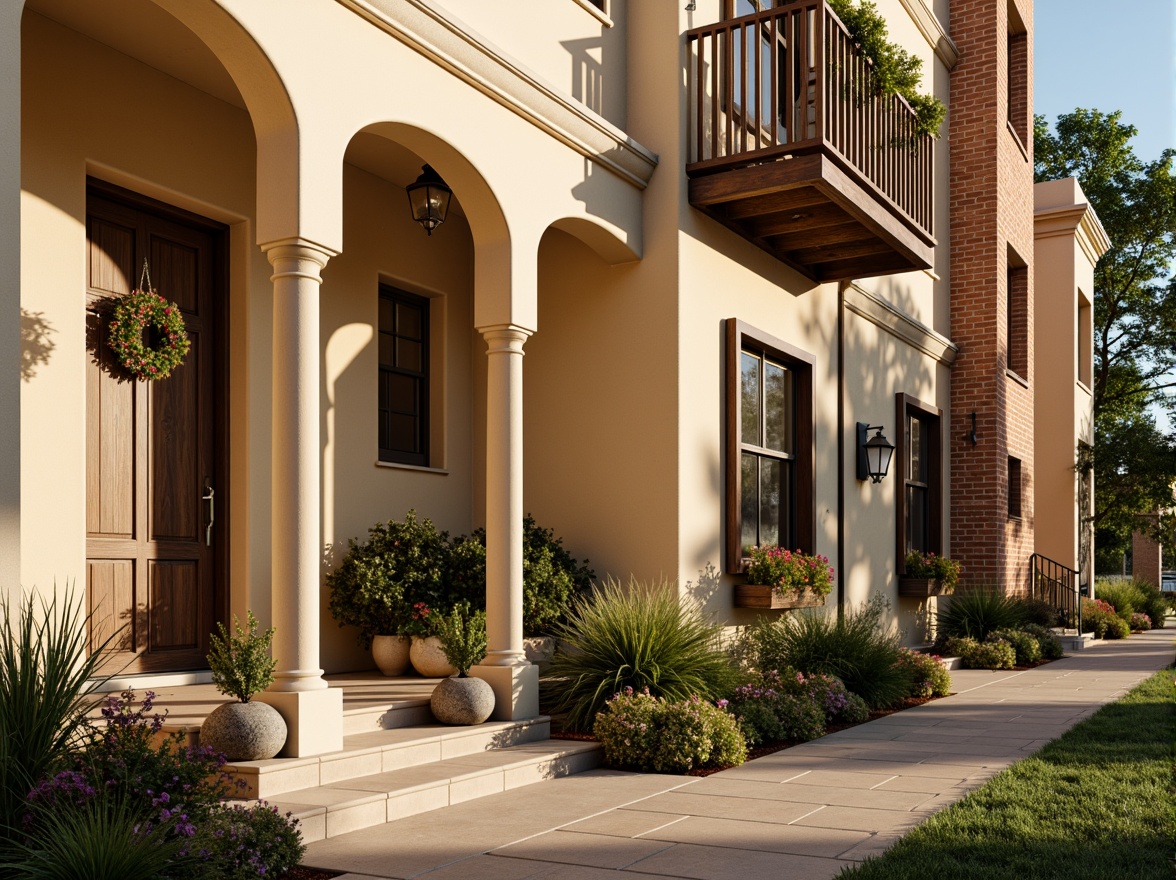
{"x": 789, "y": 82}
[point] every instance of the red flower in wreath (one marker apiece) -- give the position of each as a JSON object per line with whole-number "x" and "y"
{"x": 133, "y": 314}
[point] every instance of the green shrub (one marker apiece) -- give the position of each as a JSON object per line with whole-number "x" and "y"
{"x": 1125, "y": 596}
{"x": 1155, "y": 603}
{"x": 978, "y": 612}
{"x": 929, "y": 677}
{"x": 830, "y": 694}
{"x": 642, "y": 732}
{"x": 856, "y": 648}
{"x": 552, "y": 578}
{"x": 1025, "y": 644}
{"x": 779, "y": 706}
{"x": 856, "y": 711}
{"x": 462, "y": 633}
{"x": 637, "y": 637}
{"x": 241, "y": 664}
{"x": 47, "y": 678}
{"x": 1117, "y": 628}
{"x": 1099, "y": 617}
{"x": 1050, "y": 645}
{"x": 380, "y": 579}
{"x": 982, "y": 655}
{"x": 1140, "y": 622}
{"x": 1040, "y": 612}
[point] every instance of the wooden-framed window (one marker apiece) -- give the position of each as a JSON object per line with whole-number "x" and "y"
{"x": 1017, "y": 75}
{"x": 404, "y": 377}
{"x": 920, "y": 498}
{"x": 769, "y": 491}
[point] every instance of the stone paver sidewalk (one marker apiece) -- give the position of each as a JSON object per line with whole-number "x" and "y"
{"x": 805, "y": 812}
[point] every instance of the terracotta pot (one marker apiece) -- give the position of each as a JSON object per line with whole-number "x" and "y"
{"x": 462, "y": 701}
{"x": 757, "y": 596}
{"x": 391, "y": 653}
{"x": 428, "y": 659}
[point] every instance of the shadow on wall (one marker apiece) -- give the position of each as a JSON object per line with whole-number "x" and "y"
{"x": 36, "y": 343}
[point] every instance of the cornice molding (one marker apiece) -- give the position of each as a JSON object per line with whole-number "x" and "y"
{"x": 899, "y": 324}
{"x": 476, "y": 61}
{"x": 1079, "y": 222}
{"x": 933, "y": 31}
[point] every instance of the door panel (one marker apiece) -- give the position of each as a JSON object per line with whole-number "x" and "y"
{"x": 153, "y": 446}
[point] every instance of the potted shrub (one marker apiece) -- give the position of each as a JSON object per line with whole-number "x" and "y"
{"x": 426, "y": 653}
{"x": 241, "y": 667}
{"x": 928, "y": 575}
{"x": 462, "y": 699}
{"x": 779, "y": 578}
{"x": 380, "y": 579}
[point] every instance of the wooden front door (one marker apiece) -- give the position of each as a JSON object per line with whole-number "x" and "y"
{"x": 156, "y": 474}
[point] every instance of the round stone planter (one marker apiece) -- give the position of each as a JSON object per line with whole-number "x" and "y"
{"x": 428, "y": 658}
{"x": 391, "y": 653}
{"x": 462, "y": 701}
{"x": 244, "y": 731}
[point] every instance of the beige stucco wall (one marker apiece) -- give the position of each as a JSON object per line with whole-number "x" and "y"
{"x": 1068, "y": 239}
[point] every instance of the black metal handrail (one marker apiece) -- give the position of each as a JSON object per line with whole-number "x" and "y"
{"x": 1058, "y": 585}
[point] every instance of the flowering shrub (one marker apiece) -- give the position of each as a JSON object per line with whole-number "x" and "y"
{"x": 829, "y": 693}
{"x": 643, "y": 732}
{"x": 790, "y": 570}
{"x": 1027, "y": 647}
{"x": 982, "y": 655}
{"x": 946, "y": 571}
{"x": 1140, "y": 621}
{"x": 929, "y": 677}
{"x": 248, "y": 842}
{"x": 856, "y": 710}
{"x": 1100, "y": 618}
{"x": 779, "y": 706}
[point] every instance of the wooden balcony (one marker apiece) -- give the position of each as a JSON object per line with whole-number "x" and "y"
{"x": 791, "y": 147}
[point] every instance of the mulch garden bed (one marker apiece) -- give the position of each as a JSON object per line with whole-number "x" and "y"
{"x": 301, "y": 873}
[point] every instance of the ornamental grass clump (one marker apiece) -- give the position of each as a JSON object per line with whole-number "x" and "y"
{"x": 790, "y": 571}
{"x": 858, "y": 648}
{"x": 640, "y": 636}
{"x": 977, "y": 612}
{"x": 642, "y": 732}
{"x": 241, "y": 663}
{"x": 1131, "y": 597}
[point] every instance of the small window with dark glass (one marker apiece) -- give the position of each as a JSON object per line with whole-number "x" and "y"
{"x": 768, "y": 450}
{"x": 920, "y": 499}
{"x": 918, "y": 494}
{"x": 404, "y": 377}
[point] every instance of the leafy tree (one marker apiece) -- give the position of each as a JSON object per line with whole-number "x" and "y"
{"x": 1134, "y": 314}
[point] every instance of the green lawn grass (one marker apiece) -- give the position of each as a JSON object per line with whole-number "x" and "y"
{"x": 1096, "y": 803}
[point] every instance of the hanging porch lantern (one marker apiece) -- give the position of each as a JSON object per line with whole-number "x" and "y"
{"x": 428, "y": 197}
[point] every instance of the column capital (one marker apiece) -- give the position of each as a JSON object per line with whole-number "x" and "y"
{"x": 505, "y": 337}
{"x": 297, "y": 249}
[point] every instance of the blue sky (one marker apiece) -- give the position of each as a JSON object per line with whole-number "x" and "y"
{"x": 1109, "y": 56}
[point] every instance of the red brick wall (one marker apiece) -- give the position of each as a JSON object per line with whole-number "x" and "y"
{"x": 991, "y": 188}
{"x": 1147, "y": 556}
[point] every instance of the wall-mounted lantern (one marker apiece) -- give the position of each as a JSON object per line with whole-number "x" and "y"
{"x": 874, "y": 453}
{"x": 429, "y": 199}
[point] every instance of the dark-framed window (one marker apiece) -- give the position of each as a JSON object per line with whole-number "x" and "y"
{"x": 919, "y": 454}
{"x": 404, "y": 377}
{"x": 1017, "y": 314}
{"x": 1015, "y": 486}
{"x": 769, "y": 416}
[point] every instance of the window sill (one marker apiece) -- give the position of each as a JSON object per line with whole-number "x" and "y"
{"x": 1017, "y": 140}
{"x": 1016, "y": 377}
{"x": 600, "y": 15}
{"x": 1082, "y": 386}
{"x": 395, "y": 465}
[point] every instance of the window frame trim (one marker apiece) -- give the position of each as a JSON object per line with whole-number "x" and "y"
{"x": 425, "y": 417}
{"x": 801, "y": 363}
{"x": 905, "y": 405}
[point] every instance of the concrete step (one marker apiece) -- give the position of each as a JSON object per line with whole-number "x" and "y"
{"x": 382, "y": 751}
{"x": 335, "y": 808}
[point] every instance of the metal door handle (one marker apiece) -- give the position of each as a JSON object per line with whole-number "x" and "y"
{"x": 211, "y": 511}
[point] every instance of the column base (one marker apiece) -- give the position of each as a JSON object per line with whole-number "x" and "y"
{"x": 314, "y": 720}
{"x": 516, "y": 690}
